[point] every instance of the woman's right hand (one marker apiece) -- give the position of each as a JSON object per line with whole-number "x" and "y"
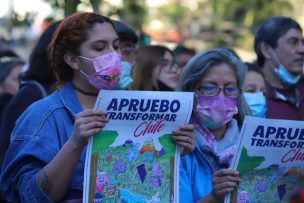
{"x": 223, "y": 182}
{"x": 88, "y": 123}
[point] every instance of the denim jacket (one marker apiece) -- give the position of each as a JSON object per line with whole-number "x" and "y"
{"x": 39, "y": 134}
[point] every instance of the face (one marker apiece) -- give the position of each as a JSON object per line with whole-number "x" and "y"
{"x": 181, "y": 60}
{"x": 254, "y": 82}
{"x": 101, "y": 39}
{"x": 220, "y": 75}
{"x": 166, "y": 71}
{"x": 128, "y": 51}
{"x": 11, "y": 82}
{"x": 290, "y": 51}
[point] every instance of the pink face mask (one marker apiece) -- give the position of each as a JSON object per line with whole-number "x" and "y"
{"x": 107, "y": 71}
{"x": 215, "y": 111}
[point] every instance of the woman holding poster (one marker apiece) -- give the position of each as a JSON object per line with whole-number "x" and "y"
{"x": 45, "y": 160}
{"x": 216, "y": 77}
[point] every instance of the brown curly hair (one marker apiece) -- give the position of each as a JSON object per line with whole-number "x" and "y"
{"x": 68, "y": 37}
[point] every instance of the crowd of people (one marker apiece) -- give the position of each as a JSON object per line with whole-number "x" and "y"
{"x": 47, "y": 113}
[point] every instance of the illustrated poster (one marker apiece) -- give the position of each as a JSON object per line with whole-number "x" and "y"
{"x": 270, "y": 159}
{"x": 134, "y": 158}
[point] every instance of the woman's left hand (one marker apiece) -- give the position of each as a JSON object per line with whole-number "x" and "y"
{"x": 184, "y": 137}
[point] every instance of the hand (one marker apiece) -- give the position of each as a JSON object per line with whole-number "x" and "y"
{"x": 184, "y": 137}
{"x": 223, "y": 182}
{"x": 88, "y": 123}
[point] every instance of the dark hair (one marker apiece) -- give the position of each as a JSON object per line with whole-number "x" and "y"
{"x": 147, "y": 60}
{"x": 68, "y": 37}
{"x": 125, "y": 32}
{"x": 181, "y": 49}
{"x": 39, "y": 66}
{"x": 269, "y": 33}
{"x": 254, "y": 67}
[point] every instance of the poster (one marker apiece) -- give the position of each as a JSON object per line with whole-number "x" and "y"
{"x": 134, "y": 158}
{"x": 270, "y": 159}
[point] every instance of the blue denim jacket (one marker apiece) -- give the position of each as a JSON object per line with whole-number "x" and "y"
{"x": 39, "y": 134}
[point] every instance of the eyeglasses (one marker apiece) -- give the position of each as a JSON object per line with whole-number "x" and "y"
{"x": 127, "y": 51}
{"x": 168, "y": 66}
{"x": 212, "y": 90}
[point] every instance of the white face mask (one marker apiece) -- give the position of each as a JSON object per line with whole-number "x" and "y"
{"x": 285, "y": 76}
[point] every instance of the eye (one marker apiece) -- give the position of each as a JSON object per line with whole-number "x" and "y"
{"x": 99, "y": 48}
{"x": 231, "y": 89}
{"x": 116, "y": 44}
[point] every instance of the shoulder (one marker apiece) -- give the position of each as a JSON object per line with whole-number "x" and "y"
{"x": 34, "y": 117}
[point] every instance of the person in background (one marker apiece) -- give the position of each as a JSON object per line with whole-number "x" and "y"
{"x": 182, "y": 55}
{"x": 216, "y": 77}
{"x": 45, "y": 159}
{"x": 128, "y": 49}
{"x": 155, "y": 69}
{"x": 279, "y": 46}
{"x": 10, "y": 70}
{"x": 254, "y": 90}
{"x": 36, "y": 83}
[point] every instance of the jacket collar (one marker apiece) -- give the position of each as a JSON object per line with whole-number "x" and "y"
{"x": 273, "y": 93}
{"x": 69, "y": 99}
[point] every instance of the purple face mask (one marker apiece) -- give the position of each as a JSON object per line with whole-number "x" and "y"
{"x": 107, "y": 71}
{"x": 215, "y": 111}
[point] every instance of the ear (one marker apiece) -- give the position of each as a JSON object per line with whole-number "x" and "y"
{"x": 265, "y": 49}
{"x": 72, "y": 60}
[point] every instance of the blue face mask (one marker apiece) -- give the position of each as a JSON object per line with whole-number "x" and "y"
{"x": 256, "y": 103}
{"x": 285, "y": 75}
{"x": 125, "y": 77}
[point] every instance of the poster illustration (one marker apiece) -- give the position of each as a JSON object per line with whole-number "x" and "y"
{"x": 134, "y": 158}
{"x": 270, "y": 159}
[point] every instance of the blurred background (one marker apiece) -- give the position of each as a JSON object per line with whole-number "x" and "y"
{"x": 199, "y": 24}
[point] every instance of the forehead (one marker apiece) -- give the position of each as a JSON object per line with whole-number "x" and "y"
{"x": 292, "y": 33}
{"x": 101, "y": 31}
{"x": 168, "y": 56}
{"x": 253, "y": 77}
{"x": 220, "y": 72}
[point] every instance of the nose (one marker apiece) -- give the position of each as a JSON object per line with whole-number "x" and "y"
{"x": 301, "y": 47}
{"x": 221, "y": 92}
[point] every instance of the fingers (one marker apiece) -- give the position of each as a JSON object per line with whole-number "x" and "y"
{"x": 184, "y": 136}
{"x": 226, "y": 171}
{"x": 224, "y": 181}
{"x": 88, "y": 123}
{"x": 90, "y": 113}
{"x": 188, "y": 127}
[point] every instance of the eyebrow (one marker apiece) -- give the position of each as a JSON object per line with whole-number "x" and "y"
{"x": 104, "y": 41}
{"x": 294, "y": 39}
{"x": 212, "y": 82}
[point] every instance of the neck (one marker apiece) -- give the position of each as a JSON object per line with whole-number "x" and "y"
{"x": 272, "y": 77}
{"x": 220, "y": 132}
{"x": 86, "y": 99}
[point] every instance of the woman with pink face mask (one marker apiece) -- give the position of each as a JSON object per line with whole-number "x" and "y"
{"x": 45, "y": 159}
{"x": 216, "y": 77}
